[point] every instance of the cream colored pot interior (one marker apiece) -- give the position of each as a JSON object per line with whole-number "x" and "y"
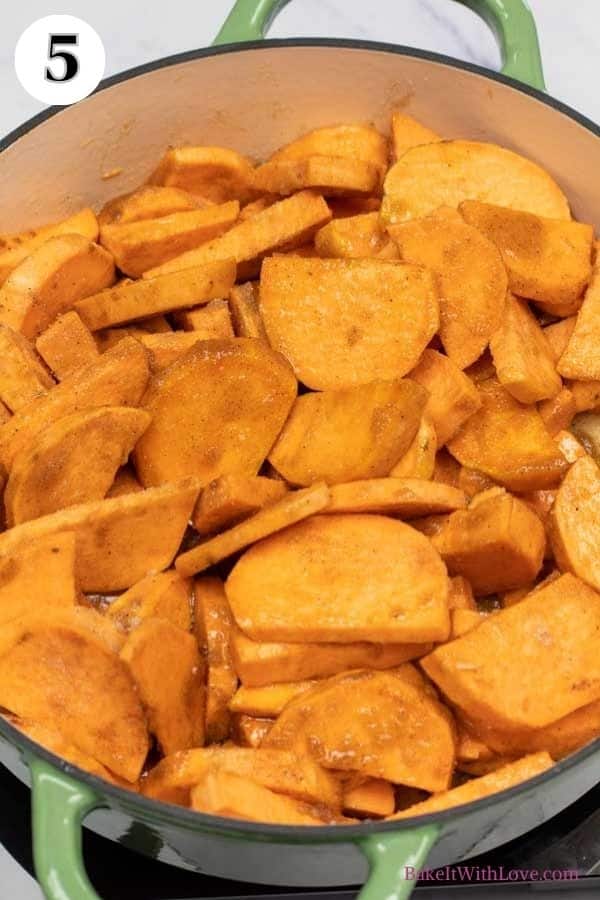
{"x": 256, "y": 99}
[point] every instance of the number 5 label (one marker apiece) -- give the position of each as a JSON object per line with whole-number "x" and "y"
{"x": 59, "y": 59}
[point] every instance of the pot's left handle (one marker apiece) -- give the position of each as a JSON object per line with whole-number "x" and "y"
{"x": 59, "y": 804}
{"x": 395, "y": 860}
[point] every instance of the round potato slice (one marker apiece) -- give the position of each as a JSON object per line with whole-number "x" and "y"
{"x": 342, "y": 578}
{"x": 359, "y": 432}
{"x": 448, "y": 172}
{"x": 574, "y": 522}
{"x": 216, "y": 410}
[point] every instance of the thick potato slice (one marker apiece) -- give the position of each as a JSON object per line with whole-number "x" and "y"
{"x": 54, "y": 471}
{"x": 118, "y": 541}
{"x": 174, "y": 705}
{"x": 343, "y": 322}
{"x": 546, "y": 259}
{"x": 67, "y": 345}
{"x": 406, "y": 498}
{"x": 118, "y": 378}
{"x": 22, "y": 375}
{"x": 41, "y": 575}
{"x": 52, "y": 280}
{"x": 453, "y": 398}
{"x": 289, "y": 223}
{"x": 165, "y": 349}
{"x": 248, "y": 731}
{"x": 216, "y": 410}
{"x": 231, "y": 498}
{"x": 216, "y": 173}
{"x": 245, "y": 314}
{"x": 17, "y": 247}
{"x": 580, "y": 358}
{"x": 509, "y": 775}
{"x": 497, "y": 544}
{"x": 161, "y": 595}
{"x": 341, "y": 578}
{"x": 352, "y": 433}
{"x": 139, "y": 246}
{"x": 558, "y": 412}
{"x": 292, "y": 508}
{"x": 487, "y": 672}
{"x": 419, "y": 459}
{"x": 259, "y": 664}
{"x": 212, "y": 321}
{"x": 148, "y": 202}
{"x": 367, "y": 736}
{"x": 574, "y": 522}
{"x": 56, "y": 674}
{"x": 213, "y": 624}
{"x": 133, "y": 300}
{"x": 355, "y": 237}
{"x": 347, "y": 141}
{"x": 472, "y": 281}
{"x": 447, "y": 172}
{"x": 335, "y": 176}
{"x": 509, "y": 442}
{"x": 372, "y": 798}
{"x": 269, "y": 701}
{"x": 408, "y": 133}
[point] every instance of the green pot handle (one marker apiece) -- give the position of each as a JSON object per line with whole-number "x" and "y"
{"x": 511, "y": 21}
{"x": 395, "y": 859}
{"x": 59, "y": 804}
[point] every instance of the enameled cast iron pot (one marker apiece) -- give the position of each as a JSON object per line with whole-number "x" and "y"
{"x": 255, "y": 97}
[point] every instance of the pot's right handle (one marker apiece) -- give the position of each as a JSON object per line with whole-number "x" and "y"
{"x": 395, "y": 860}
{"x": 511, "y": 20}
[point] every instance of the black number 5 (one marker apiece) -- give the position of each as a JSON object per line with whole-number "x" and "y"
{"x": 70, "y": 60}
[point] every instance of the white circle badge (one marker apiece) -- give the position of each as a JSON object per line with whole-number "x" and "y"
{"x": 59, "y": 59}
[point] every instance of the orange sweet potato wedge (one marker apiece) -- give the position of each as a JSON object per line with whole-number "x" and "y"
{"x": 22, "y": 375}
{"x": 460, "y": 595}
{"x": 209, "y": 322}
{"x": 453, "y": 398}
{"x": 245, "y": 314}
{"x": 355, "y": 237}
{"x": 125, "y": 483}
{"x": 165, "y": 349}
{"x": 558, "y": 412}
{"x": 573, "y": 521}
{"x": 40, "y": 576}
{"x": 269, "y": 701}
{"x": 371, "y": 798}
{"x": 419, "y": 459}
{"x": 67, "y": 345}
{"x": 215, "y": 173}
{"x": 248, "y": 731}
{"x": 408, "y": 132}
{"x": 580, "y": 359}
{"x": 148, "y": 202}
{"x": 404, "y": 498}
{"x": 213, "y": 624}
{"x": 346, "y": 141}
{"x": 341, "y": 578}
{"x": 232, "y": 498}
{"x": 162, "y": 595}
{"x": 331, "y": 176}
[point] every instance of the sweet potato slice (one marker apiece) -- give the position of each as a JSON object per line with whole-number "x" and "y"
{"x": 419, "y": 459}
{"x": 491, "y": 683}
{"x": 546, "y": 259}
{"x": 125, "y": 483}
{"x": 67, "y": 345}
{"x": 139, "y": 246}
{"x": 164, "y": 595}
{"x": 148, "y": 202}
{"x": 580, "y": 358}
{"x": 232, "y": 498}
{"x": 408, "y": 133}
{"x": 118, "y": 378}
{"x": 371, "y": 798}
{"x": 212, "y": 321}
{"x": 369, "y": 739}
{"x": 213, "y": 624}
{"x": 289, "y": 223}
{"x": 509, "y": 442}
{"x": 216, "y": 410}
{"x": 406, "y": 498}
{"x": 447, "y": 172}
{"x": 52, "y": 280}
{"x": 174, "y": 705}
{"x": 292, "y": 508}
{"x": 356, "y": 432}
{"x": 41, "y": 575}
{"x": 347, "y": 141}
{"x": 502, "y": 779}
{"x": 269, "y": 701}
{"x": 341, "y": 578}
{"x": 54, "y": 673}
{"x": 248, "y": 731}
{"x": 216, "y": 173}
{"x": 460, "y": 595}
{"x": 574, "y": 522}
{"x": 453, "y": 398}
{"x": 245, "y": 314}
{"x": 344, "y": 322}
{"x": 118, "y": 541}
{"x": 497, "y": 544}
{"x": 335, "y": 176}
{"x": 132, "y": 300}
{"x": 165, "y": 349}
{"x": 22, "y": 375}
{"x": 54, "y": 471}
{"x": 472, "y": 281}
{"x": 558, "y": 412}
{"x": 355, "y": 237}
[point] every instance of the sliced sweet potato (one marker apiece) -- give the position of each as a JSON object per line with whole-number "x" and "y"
{"x": 292, "y": 508}
{"x": 453, "y": 398}
{"x": 369, "y": 739}
{"x": 447, "y": 172}
{"x": 406, "y": 498}
{"x": 139, "y": 246}
{"x": 174, "y": 705}
{"x": 335, "y": 176}
{"x": 248, "y": 731}
{"x": 501, "y": 779}
{"x": 216, "y": 173}
{"x": 347, "y": 141}
{"x": 213, "y": 624}
{"x": 164, "y": 595}
{"x": 132, "y": 300}
{"x": 212, "y": 321}
{"x": 245, "y": 314}
{"x": 148, "y": 202}
{"x": 472, "y": 281}
{"x": 165, "y": 349}
{"x": 491, "y": 683}
{"x": 546, "y": 259}
{"x": 40, "y": 576}
{"x": 67, "y": 345}
{"x": 231, "y": 498}
{"x": 118, "y": 541}
{"x": 343, "y": 322}
{"x": 355, "y": 237}
{"x": 125, "y": 483}
{"x": 558, "y": 412}
{"x": 371, "y": 798}
{"x": 52, "y": 280}
{"x": 118, "y": 378}
{"x": 558, "y": 335}
{"x": 580, "y": 358}
{"x": 54, "y": 471}
{"x": 419, "y": 459}
{"x": 341, "y": 578}
{"x": 259, "y": 664}
{"x": 288, "y": 223}
{"x": 269, "y": 701}
{"x": 569, "y": 446}
{"x": 574, "y": 521}
{"x": 55, "y": 674}
{"x": 228, "y": 794}
{"x": 509, "y": 442}
{"x": 216, "y": 410}
{"x": 408, "y": 133}
{"x": 22, "y": 375}
{"x": 460, "y": 595}
{"x": 356, "y": 432}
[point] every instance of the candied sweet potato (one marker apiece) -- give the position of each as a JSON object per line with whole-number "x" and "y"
{"x": 453, "y": 398}
{"x": 574, "y": 521}
{"x": 405, "y": 498}
{"x": 217, "y": 173}
{"x": 213, "y": 625}
{"x": 39, "y": 576}
{"x": 67, "y": 345}
{"x": 22, "y": 375}
{"x": 161, "y": 595}
{"x": 232, "y": 498}
{"x": 248, "y": 731}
